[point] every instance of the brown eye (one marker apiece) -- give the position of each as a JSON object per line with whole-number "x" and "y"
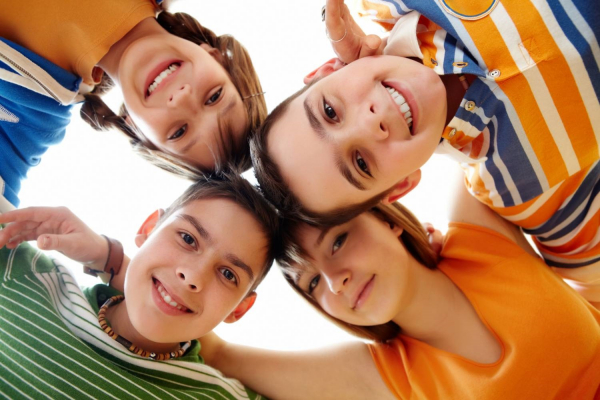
{"x": 362, "y": 164}
{"x": 329, "y": 111}
{"x": 214, "y": 97}
{"x": 230, "y": 276}
{"x": 179, "y": 132}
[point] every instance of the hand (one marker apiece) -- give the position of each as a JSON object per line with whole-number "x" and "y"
{"x": 436, "y": 239}
{"x": 355, "y": 44}
{"x": 55, "y": 229}
{"x": 210, "y": 347}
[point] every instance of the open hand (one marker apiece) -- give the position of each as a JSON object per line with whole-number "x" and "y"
{"x": 348, "y": 40}
{"x": 54, "y": 228}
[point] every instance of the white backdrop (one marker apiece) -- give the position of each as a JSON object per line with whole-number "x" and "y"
{"x": 97, "y": 176}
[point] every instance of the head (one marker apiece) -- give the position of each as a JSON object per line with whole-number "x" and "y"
{"x": 188, "y": 98}
{"x": 205, "y": 255}
{"x": 358, "y": 274}
{"x": 355, "y": 136}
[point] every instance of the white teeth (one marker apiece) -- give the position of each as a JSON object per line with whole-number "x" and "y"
{"x": 168, "y": 71}
{"x": 168, "y": 299}
{"x": 401, "y": 102}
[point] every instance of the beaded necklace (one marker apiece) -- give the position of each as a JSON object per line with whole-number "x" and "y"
{"x": 184, "y": 346}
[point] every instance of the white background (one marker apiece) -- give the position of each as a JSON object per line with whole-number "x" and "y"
{"x": 97, "y": 176}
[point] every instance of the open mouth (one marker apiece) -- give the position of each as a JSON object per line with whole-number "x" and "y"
{"x": 160, "y": 76}
{"x": 167, "y": 298}
{"x": 402, "y": 105}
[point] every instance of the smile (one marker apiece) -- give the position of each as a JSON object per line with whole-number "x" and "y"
{"x": 160, "y": 75}
{"x": 167, "y": 299}
{"x": 364, "y": 294}
{"x": 402, "y": 105}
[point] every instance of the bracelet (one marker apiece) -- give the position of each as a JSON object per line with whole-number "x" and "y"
{"x": 113, "y": 261}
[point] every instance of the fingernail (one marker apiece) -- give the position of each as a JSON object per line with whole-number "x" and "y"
{"x": 46, "y": 241}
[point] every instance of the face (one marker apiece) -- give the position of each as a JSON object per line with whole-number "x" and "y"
{"x": 192, "y": 272}
{"x": 176, "y": 92}
{"x": 359, "y": 131}
{"x": 360, "y": 272}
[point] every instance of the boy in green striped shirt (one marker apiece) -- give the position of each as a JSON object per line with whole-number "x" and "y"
{"x": 198, "y": 264}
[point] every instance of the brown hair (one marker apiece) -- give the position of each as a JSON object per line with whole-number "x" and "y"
{"x": 291, "y": 257}
{"x": 276, "y": 189}
{"x": 235, "y": 60}
{"x": 229, "y": 185}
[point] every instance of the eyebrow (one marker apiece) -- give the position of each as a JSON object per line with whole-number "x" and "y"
{"x": 232, "y": 258}
{"x": 322, "y": 236}
{"x": 322, "y": 134}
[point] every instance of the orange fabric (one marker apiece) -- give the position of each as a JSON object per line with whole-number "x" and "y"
{"x": 550, "y": 335}
{"x": 73, "y": 34}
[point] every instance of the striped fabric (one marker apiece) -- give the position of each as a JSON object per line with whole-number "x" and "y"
{"x": 51, "y": 346}
{"x": 528, "y": 130}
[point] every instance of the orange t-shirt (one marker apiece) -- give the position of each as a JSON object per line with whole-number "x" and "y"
{"x": 549, "y": 334}
{"x": 73, "y": 34}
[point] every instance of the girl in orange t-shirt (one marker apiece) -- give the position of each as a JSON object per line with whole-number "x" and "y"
{"x": 190, "y": 96}
{"x": 488, "y": 321}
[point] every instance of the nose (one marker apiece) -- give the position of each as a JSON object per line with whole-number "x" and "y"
{"x": 191, "y": 277}
{"x": 337, "y": 281}
{"x": 375, "y": 126}
{"x": 180, "y": 97}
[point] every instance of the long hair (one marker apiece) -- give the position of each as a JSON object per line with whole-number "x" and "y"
{"x": 235, "y": 60}
{"x": 291, "y": 257}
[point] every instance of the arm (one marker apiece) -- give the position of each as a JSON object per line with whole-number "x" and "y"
{"x": 347, "y": 39}
{"x": 345, "y": 371}
{"x": 466, "y": 208}
{"x": 59, "y": 229}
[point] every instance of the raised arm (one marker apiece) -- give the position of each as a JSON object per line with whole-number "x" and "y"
{"x": 57, "y": 228}
{"x": 345, "y": 371}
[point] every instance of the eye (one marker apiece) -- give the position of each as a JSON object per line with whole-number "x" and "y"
{"x": 230, "y": 276}
{"x": 179, "y": 132}
{"x": 214, "y": 97}
{"x": 362, "y": 164}
{"x": 188, "y": 239}
{"x": 338, "y": 242}
{"x": 313, "y": 283}
{"x": 329, "y": 111}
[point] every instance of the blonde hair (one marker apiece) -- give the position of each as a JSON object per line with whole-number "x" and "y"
{"x": 292, "y": 257}
{"x": 235, "y": 60}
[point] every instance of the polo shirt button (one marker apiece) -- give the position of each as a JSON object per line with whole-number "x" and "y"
{"x": 495, "y": 73}
{"x": 434, "y": 61}
{"x": 460, "y": 64}
{"x": 452, "y": 133}
{"x": 470, "y": 105}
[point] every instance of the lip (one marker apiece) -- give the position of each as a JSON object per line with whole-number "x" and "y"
{"x": 154, "y": 73}
{"x": 164, "y": 307}
{"x": 410, "y": 99}
{"x": 364, "y": 293}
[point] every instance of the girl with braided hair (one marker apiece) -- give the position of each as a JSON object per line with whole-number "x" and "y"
{"x": 190, "y": 96}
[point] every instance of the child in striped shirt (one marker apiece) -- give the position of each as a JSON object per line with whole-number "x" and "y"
{"x": 508, "y": 88}
{"x": 198, "y": 265}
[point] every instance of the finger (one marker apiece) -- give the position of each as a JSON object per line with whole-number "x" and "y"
{"x": 336, "y": 27}
{"x": 26, "y": 214}
{"x": 62, "y": 243}
{"x": 16, "y": 229}
{"x": 373, "y": 42}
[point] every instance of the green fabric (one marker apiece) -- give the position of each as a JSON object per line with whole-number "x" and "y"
{"x": 51, "y": 345}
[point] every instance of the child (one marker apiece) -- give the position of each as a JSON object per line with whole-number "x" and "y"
{"x": 190, "y": 96}
{"x": 488, "y": 321}
{"x": 516, "y": 104}
{"x": 198, "y": 265}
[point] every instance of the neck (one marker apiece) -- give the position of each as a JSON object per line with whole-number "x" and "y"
{"x": 437, "y": 310}
{"x": 121, "y": 325}
{"x": 110, "y": 62}
{"x": 455, "y": 91}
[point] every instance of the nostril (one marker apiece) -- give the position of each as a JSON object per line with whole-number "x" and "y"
{"x": 345, "y": 281}
{"x": 372, "y": 109}
{"x": 382, "y": 127}
{"x": 181, "y": 275}
{"x": 193, "y": 287}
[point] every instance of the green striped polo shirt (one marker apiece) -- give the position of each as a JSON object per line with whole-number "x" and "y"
{"x": 52, "y": 347}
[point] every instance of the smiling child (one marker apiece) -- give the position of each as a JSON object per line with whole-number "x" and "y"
{"x": 198, "y": 265}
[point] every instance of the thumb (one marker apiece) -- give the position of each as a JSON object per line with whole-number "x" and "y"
{"x": 61, "y": 243}
{"x": 373, "y": 42}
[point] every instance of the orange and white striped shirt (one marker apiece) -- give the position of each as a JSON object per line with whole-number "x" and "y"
{"x": 527, "y": 131}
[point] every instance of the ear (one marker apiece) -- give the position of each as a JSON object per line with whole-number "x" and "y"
{"x": 147, "y": 227}
{"x": 216, "y": 54}
{"x": 324, "y": 70}
{"x": 403, "y": 187}
{"x": 241, "y": 308}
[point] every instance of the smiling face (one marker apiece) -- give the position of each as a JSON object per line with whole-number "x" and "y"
{"x": 176, "y": 92}
{"x": 191, "y": 273}
{"x": 359, "y": 272}
{"x": 359, "y": 132}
